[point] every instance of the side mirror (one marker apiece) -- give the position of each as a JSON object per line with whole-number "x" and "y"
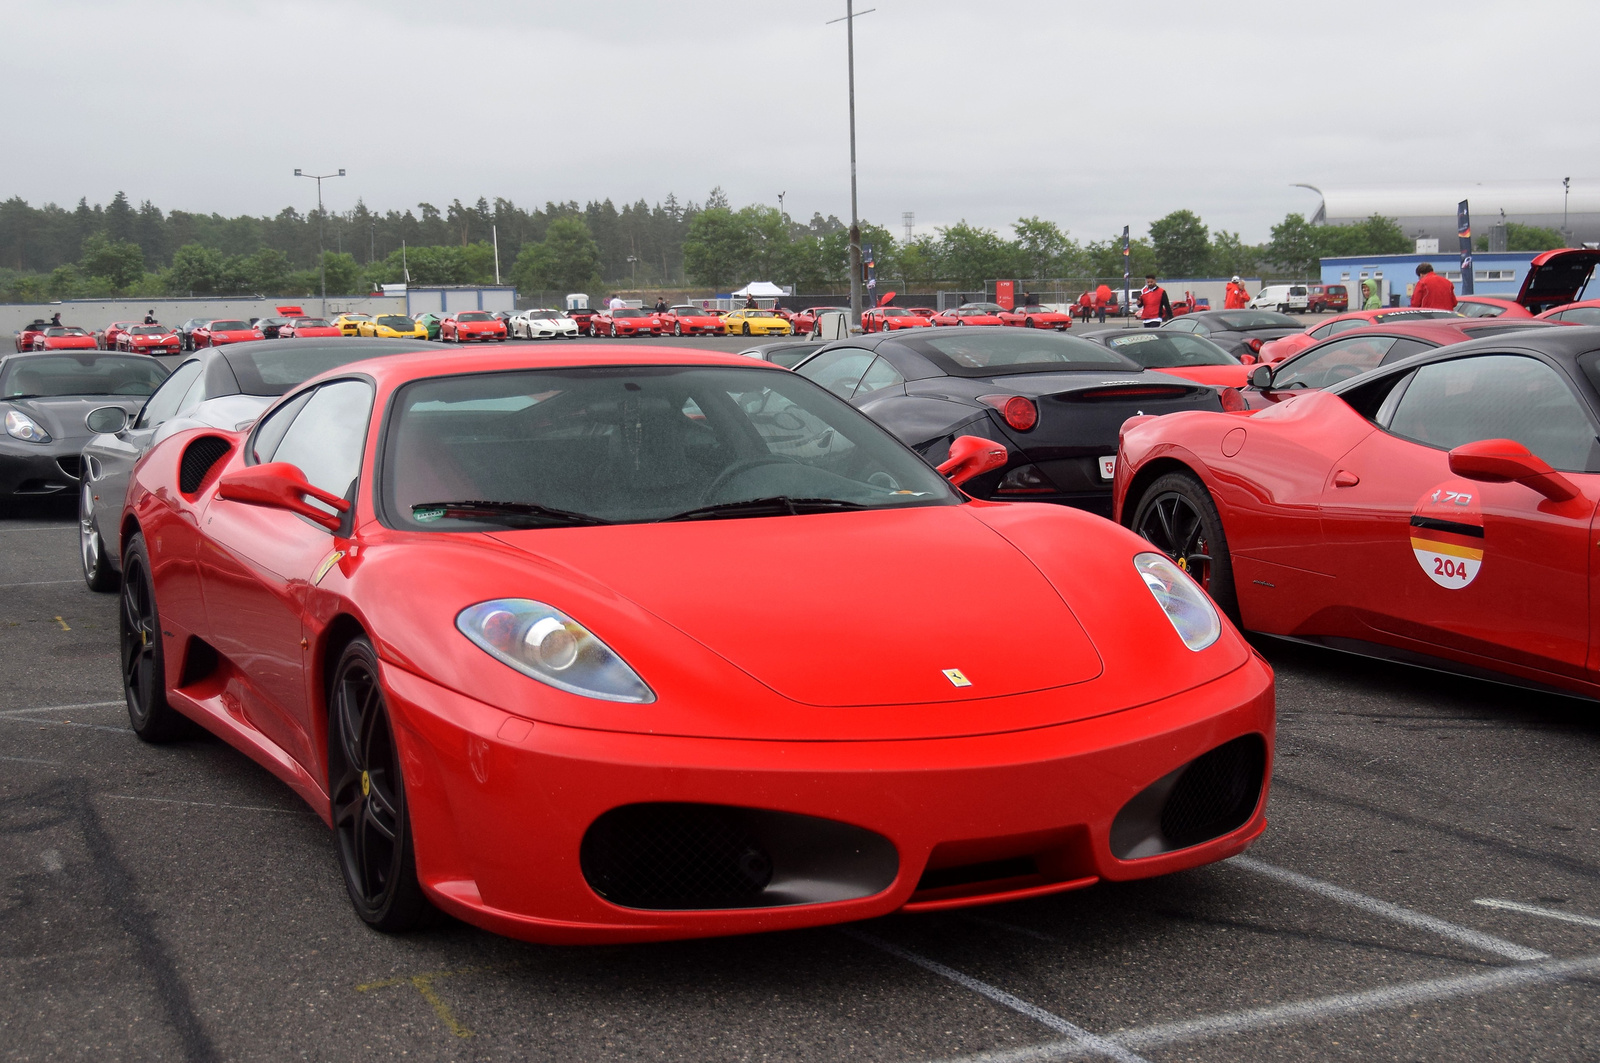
{"x": 112, "y": 419}
{"x": 280, "y": 485}
{"x": 1499, "y": 461}
{"x": 972, "y": 456}
{"x": 1261, "y": 377}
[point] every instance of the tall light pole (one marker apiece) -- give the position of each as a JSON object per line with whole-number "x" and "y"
{"x": 322, "y": 265}
{"x": 780, "y": 203}
{"x": 849, "y": 21}
{"x": 1566, "y": 191}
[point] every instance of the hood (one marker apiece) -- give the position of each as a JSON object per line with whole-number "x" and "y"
{"x": 1556, "y": 277}
{"x": 894, "y": 600}
{"x": 62, "y": 416}
{"x": 1226, "y": 376}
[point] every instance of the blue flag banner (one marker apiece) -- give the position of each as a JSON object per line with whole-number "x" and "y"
{"x": 1464, "y": 231}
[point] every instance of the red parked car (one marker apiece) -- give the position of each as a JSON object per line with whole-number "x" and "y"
{"x": 307, "y": 327}
{"x": 971, "y": 314}
{"x": 689, "y": 320}
{"x": 24, "y": 336}
{"x": 626, "y": 322}
{"x": 1489, "y": 306}
{"x": 113, "y": 334}
{"x": 1284, "y": 346}
{"x": 1584, "y": 313}
{"x": 890, "y": 318}
{"x": 150, "y": 339}
{"x": 465, "y": 326}
{"x": 1437, "y": 511}
{"x": 1322, "y": 298}
{"x": 224, "y": 330}
{"x": 577, "y": 713}
{"x": 1036, "y": 316}
{"x": 806, "y": 320}
{"x": 65, "y": 338}
{"x": 923, "y": 311}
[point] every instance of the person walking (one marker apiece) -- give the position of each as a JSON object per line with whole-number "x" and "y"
{"x": 1432, "y": 290}
{"x": 1154, "y": 306}
{"x": 1102, "y": 299}
{"x": 1235, "y": 297}
{"x": 1369, "y": 296}
{"x": 615, "y": 302}
{"x": 1085, "y": 306}
{"x": 661, "y": 304}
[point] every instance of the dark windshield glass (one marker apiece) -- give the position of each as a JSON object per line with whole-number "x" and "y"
{"x": 274, "y": 368}
{"x": 989, "y": 352}
{"x": 626, "y": 312}
{"x": 637, "y": 444}
{"x": 688, "y": 311}
{"x": 311, "y": 322}
{"x": 1246, "y": 320}
{"x": 149, "y": 330}
{"x": 81, "y": 374}
{"x": 543, "y": 315}
{"x": 230, "y": 326}
{"x": 400, "y": 324}
{"x": 972, "y": 309}
{"x": 474, "y": 315}
{"x": 1163, "y": 349}
{"x": 895, "y": 311}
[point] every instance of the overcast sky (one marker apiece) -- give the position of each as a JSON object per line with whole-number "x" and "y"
{"x": 1093, "y": 115}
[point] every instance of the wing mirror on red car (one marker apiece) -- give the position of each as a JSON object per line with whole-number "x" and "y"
{"x": 1261, "y": 377}
{"x": 1499, "y": 461}
{"x": 972, "y": 456}
{"x": 280, "y": 485}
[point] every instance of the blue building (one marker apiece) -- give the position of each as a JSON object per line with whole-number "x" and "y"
{"x": 1497, "y": 273}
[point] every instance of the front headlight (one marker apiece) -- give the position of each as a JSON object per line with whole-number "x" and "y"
{"x": 1186, "y": 605}
{"x": 21, "y": 426}
{"x": 548, "y": 645}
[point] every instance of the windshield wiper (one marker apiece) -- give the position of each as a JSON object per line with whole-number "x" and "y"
{"x": 525, "y": 514}
{"x": 770, "y": 506}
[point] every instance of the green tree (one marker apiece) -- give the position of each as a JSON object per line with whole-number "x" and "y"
{"x": 343, "y": 273}
{"x": 768, "y": 236}
{"x": 971, "y": 255}
{"x": 1230, "y": 256}
{"x": 1521, "y": 237}
{"x": 266, "y": 271}
{"x": 121, "y": 263}
{"x": 1182, "y": 244}
{"x": 1042, "y": 247}
{"x": 1105, "y": 261}
{"x": 566, "y": 259}
{"x": 195, "y": 270}
{"x": 1376, "y": 235}
{"x": 1294, "y": 244}
{"x": 717, "y": 249}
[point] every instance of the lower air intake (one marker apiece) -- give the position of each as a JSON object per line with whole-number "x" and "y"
{"x": 1208, "y": 797}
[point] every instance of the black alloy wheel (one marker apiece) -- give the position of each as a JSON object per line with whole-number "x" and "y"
{"x": 1176, "y": 515}
{"x": 97, "y": 571}
{"x": 1028, "y": 322}
{"x": 371, "y": 827}
{"x": 144, "y": 683}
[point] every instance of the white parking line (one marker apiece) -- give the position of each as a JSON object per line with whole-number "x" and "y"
{"x": 62, "y": 708}
{"x": 1393, "y": 912}
{"x": 1305, "y": 1011}
{"x": 1534, "y": 909}
{"x": 1079, "y": 1039}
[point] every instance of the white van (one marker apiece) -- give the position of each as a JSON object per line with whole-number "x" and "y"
{"x": 1284, "y": 298}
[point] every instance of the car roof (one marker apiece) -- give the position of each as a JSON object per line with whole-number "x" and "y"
{"x": 417, "y": 364}
{"x": 1564, "y": 343}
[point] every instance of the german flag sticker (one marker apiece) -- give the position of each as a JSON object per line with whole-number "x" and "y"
{"x": 1447, "y": 534}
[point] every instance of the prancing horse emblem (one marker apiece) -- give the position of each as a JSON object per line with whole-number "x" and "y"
{"x": 956, "y": 678}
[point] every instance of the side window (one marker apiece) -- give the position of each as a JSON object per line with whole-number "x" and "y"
{"x": 1322, "y": 333}
{"x": 163, "y": 402}
{"x": 1336, "y": 327}
{"x": 880, "y": 374}
{"x": 839, "y": 370}
{"x": 1332, "y": 362}
{"x": 1199, "y": 328}
{"x": 193, "y": 397}
{"x": 326, "y": 438}
{"x": 1498, "y": 396}
{"x": 1404, "y": 348}
{"x": 269, "y": 433}
{"x": 1178, "y": 324}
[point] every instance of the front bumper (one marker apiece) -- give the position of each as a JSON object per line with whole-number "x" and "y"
{"x": 500, "y": 805}
{"x": 38, "y": 470}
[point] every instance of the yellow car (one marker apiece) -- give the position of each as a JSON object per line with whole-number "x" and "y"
{"x": 756, "y": 323}
{"x": 348, "y": 324}
{"x": 392, "y": 327}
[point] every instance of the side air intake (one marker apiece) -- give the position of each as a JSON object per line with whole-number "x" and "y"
{"x": 199, "y": 458}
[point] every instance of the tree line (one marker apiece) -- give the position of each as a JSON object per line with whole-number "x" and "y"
{"x": 50, "y": 252}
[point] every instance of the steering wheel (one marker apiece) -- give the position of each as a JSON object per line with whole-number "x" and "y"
{"x": 739, "y": 467}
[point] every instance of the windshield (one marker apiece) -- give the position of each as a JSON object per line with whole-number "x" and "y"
{"x": 68, "y": 330}
{"x": 1161, "y": 349}
{"x": 310, "y": 322}
{"x": 630, "y": 445}
{"x": 894, "y": 311}
{"x": 687, "y": 311}
{"x": 230, "y": 326}
{"x": 626, "y": 312}
{"x": 399, "y": 324}
{"x": 1248, "y": 320}
{"x": 274, "y": 368}
{"x": 81, "y": 374}
{"x": 475, "y": 315}
{"x": 991, "y": 352}
{"x": 543, "y": 315}
{"x": 1412, "y": 315}
{"x": 977, "y": 308}
{"x": 149, "y": 330}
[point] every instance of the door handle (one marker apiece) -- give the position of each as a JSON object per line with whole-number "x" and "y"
{"x": 1345, "y": 478}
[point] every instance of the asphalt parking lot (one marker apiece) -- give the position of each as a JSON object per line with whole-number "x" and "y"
{"x": 1428, "y": 889}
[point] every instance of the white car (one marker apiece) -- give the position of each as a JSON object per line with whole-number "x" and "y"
{"x": 1284, "y": 298}
{"x": 543, "y": 325}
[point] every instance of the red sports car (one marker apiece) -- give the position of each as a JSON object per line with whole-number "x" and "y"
{"x": 113, "y": 334}
{"x": 1180, "y": 354}
{"x": 1584, "y": 313}
{"x": 806, "y": 320}
{"x": 1036, "y": 316}
{"x": 689, "y": 320}
{"x": 1284, "y": 346}
{"x": 1437, "y": 511}
{"x": 150, "y": 339}
{"x": 891, "y": 318}
{"x": 216, "y": 333}
{"x": 307, "y": 327}
{"x": 1489, "y": 306}
{"x": 627, "y": 322}
{"x": 65, "y": 338}
{"x": 468, "y": 325}
{"x": 24, "y": 336}
{"x": 922, "y": 311}
{"x": 971, "y": 314}
{"x": 589, "y": 710}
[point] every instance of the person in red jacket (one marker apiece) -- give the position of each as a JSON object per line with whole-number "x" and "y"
{"x": 1432, "y": 291}
{"x": 1235, "y": 296}
{"x": 1085, "y": 306}
{"x": 1102, "y": 300}
{"x": 1154, "y": 306}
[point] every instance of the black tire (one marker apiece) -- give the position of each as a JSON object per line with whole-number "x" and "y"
{"x": 97, "y": 571}
{"x": 677, "y": 328}
{"x": 371, "y": 825}
{"x": 747, "y": 328}
{"x": 144, "y": 682}
{"x": 1283, "y": 308}
{"x": 1176, "y": 515}
{"x": 1028, "y": 322}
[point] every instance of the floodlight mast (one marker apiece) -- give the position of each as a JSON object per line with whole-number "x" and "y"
{"x": 322, "y": 255}
{"x": 849, "y": 20}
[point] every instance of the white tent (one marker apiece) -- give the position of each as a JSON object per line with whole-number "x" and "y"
{"x": 761, "y": 290}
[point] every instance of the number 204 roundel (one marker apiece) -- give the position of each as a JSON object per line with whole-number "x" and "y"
{"x": 1447, "y": 534}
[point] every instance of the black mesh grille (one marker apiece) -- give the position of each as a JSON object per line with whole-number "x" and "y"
{"x": 675, "y": 856}
{"x": 1216, "y": 794}
{"x": 72, "y": 465}
{"x": 198, "y": 459}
